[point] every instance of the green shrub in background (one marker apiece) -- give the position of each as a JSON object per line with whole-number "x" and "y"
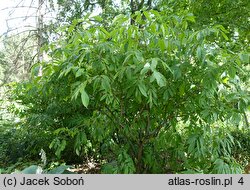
{"x": 241, "y": 150}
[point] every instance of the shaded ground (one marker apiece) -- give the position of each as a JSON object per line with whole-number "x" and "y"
{"x": 89, "y": 168}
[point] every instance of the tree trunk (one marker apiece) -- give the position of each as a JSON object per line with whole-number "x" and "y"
{"x": 39, "y": 35}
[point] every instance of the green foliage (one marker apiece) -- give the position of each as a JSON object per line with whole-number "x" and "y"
{"x": 124, "y": 165}
{"x": 151, "y": 92}
{"x": 35, "y": 169}
{"x": 32, "y": 170}
{"x": 21, "y": 142}
{"x": 22, "y": 167}
{"x": 210, "y": 150}
{"x": 241, "y": 149}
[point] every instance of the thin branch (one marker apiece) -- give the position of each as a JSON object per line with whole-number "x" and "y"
{"x": 148, "y": 120}
{"x": 141, "y": 5}
{"x": 138, "y": 114}
{"x": 29, "y": 8}
{"x": 149, "y": 4}
{"x": 17, "y": 34}
{"x": 25, "y": 17}
{"x": 13, "y": 10}
{"x": 15, "y": 7}
{"x": 116, "y": 121}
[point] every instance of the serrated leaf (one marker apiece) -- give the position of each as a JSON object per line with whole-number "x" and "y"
{"x": 63, "y": 144}
{"x": 156, "y": 13}
{"x": 162, "y": 44}
{"x": 145, "y": 69}
{"x": 182, "y": 89}
{"x": 190, "y": 17}
{"x": 165, "y": 65}
{"x": 73, "y": 25}
{"x": 160, "y": 79}
{"x": 224, "y": 36}
{"x": 78, "y": 90}
{"x": 77, "y": 152}
{"x": 221, "y": 28}
{"x": 147, "y": 15}
{"x": 154, "y": 64}
{"x": 127, "y": 58}
{"x": 244, "y": 57}
{"x": 105, "y": 83}
{"x": 126, "y": 46}
{"x": 85, "y": 98}
{"x": 199, "y": 53}
{"x": 79, "y": 73}
{"x": 139, "y": 56}
{"x": 152, "y": 78}
{"x": 200, "y": 36}
{"x": 142, "y": 88}
{"x": 98, "y": 18}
